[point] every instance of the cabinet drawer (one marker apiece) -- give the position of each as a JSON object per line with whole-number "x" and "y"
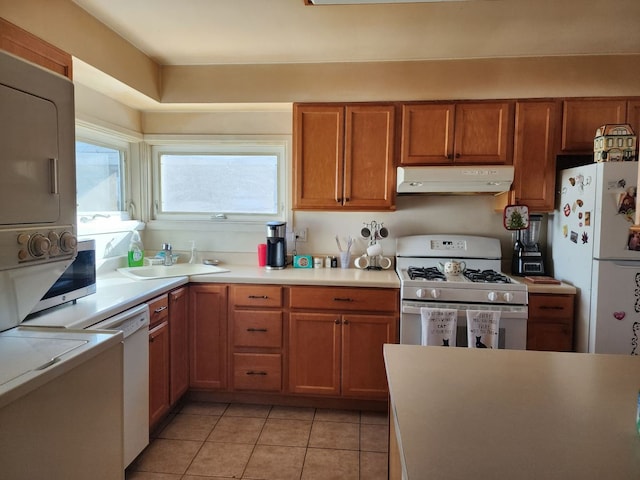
{"x": 158, "y": 310}
{"x": 257, "y": 329}
{"x": 256, "y": 296}
{"x": 345, "y": 299}
{"x": 253, "y": 371}
{"x": 542, "y": 307}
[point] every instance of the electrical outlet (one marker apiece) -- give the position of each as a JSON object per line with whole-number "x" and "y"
{"x": 301, "y": 235}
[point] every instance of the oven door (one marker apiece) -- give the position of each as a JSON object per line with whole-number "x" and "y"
{"x": 513, "y": 322}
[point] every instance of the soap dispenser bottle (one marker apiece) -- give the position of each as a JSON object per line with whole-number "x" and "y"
{"x": 135, "y": 256}
{"x": 192, "y": 259}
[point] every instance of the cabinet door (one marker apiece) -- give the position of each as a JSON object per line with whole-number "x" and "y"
{"x": 318, "y": 156}
{"x": 208, "y": 336}
{"x": 427, "y": 134}
{"x": 581, "y": 118}
{"x": 314, "y": 353}
{"x": 369, "y": 177}
{"x": 158, "y": 373}
{"x": 179, "y": 343}
{"x": 483, "y": 133}
{"x": 633, "y": 116}
{"x": 363, "y": 372}
{"x": 550, "y": 324}
{"x": 534, "y": 155}
{"x": 158, "y": 310}
{"x": 551, "y": 337}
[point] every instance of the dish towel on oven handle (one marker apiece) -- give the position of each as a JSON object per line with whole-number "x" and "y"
{"x": 439, "y": 326}
{"x": 482, "y": 328}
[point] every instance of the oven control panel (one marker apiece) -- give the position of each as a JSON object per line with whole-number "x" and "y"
{"x": 448, "y": 245}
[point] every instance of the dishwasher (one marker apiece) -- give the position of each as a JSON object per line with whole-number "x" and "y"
{"x": 134, "y": 324}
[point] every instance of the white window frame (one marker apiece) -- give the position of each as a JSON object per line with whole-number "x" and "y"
{"x": 127, "y": 219}
{"x": 224, "y": 145}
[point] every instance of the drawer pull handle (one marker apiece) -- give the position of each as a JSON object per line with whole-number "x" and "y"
{"x": 339, "y": 299}
{"x": 337, "y": 321}
{"x": 258, "y": 296}
{"x": 251, "y": 372}
{"x": 160, "y": 309}
{"x": 544, "y": 307}
{"x": 256, "y": 329}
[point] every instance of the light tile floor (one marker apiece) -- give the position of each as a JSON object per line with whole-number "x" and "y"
{"x": 241, "y": 441}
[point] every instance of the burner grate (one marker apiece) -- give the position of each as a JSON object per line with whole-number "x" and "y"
{"x": 485, "y": 276}
{"x": 426, "y": 273}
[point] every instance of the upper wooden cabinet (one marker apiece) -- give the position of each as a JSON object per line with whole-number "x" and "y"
{"x": 581, "y": 118}
{"x": 461, "y": 133}
{"x": 537, "y": 132}
{"x": 633, "y": 115}
{"x": 343, "y": 157}
{"x": 21, "y": 43}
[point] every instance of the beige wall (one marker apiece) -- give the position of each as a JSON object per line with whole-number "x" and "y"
{"x": 62, "y": 23}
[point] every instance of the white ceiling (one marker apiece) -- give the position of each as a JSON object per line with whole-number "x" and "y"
{"x": 198, "y": 32}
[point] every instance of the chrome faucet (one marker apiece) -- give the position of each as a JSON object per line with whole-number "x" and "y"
{"x": 168, "y": 254}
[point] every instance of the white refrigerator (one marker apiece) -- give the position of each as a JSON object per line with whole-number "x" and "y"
{"x": 592, "y": 249}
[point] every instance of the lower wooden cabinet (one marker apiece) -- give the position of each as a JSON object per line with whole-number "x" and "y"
{"x": 551, "y": 322}
{"x": 208, "y": 336}
{"x": 339, "y": 353}
{"x": 159, "y": 402}
{"x": 256, "y": 338}
{"x": 178, "y": 343}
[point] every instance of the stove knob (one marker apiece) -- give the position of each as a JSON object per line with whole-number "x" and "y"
{"x": 420, "y": 293}
{"x": 508, "y": 297}
{"x": 492, "y": 296}
{"x": 435, "y": 293}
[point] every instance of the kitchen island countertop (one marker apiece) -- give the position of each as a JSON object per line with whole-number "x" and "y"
{"x": 462, "y": 413}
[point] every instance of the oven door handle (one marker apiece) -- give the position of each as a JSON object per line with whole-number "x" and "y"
{"x": 411, "y": 310}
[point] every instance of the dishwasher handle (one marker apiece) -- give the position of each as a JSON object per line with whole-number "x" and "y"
{"x": 129, "y": 321}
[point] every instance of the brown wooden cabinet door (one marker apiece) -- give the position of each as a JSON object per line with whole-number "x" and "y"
{"x": 179, "y": 343}
{"x": 158, "y": 373}
{"x": 314, "y": 353}
{"x": 483, "y": 132}
{"x": 551, "y": 321}
{"x": 534, "y": 156}
{"x": 427, "y": 134}
{"x": 369, "y": 173}
{"x": 551, "y": 337}
{"x": 208, "y": 336}
{"x": 343, "y": 157}
{"x": 581, "y": 118}
{"x": 318, "y": 152}
{"x": 633, "y": 116}
{"x": 363, "y": 372}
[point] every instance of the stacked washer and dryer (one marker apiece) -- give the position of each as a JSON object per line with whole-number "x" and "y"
{"x": 60, "y": 389}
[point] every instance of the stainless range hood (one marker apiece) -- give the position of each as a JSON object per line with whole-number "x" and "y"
{"x": 454, "y": 179}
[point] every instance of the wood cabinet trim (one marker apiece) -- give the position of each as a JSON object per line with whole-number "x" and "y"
{"x": 26, "y": 45}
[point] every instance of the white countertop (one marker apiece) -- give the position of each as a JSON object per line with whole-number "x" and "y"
{"x": 27, "y": 354}
{"x": 509, "y": 414}
{"x": 344, "y": 277}
{"x": 115, "y": 292}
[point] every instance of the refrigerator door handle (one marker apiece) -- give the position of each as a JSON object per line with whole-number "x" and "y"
{"x": 626, "y": 263}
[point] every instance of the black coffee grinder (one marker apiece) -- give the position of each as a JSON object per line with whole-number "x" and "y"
{"x": 276, "y": 245}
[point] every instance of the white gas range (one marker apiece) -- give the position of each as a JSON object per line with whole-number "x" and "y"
{"x": 482, "y": 286}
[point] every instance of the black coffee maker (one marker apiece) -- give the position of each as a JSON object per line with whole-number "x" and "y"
{"x": 276, "y": 245}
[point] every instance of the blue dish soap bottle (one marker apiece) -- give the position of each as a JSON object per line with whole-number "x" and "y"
{"x": 135, "y": 256}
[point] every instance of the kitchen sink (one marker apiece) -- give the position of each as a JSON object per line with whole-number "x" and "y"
{"x": 178, "y": 270}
